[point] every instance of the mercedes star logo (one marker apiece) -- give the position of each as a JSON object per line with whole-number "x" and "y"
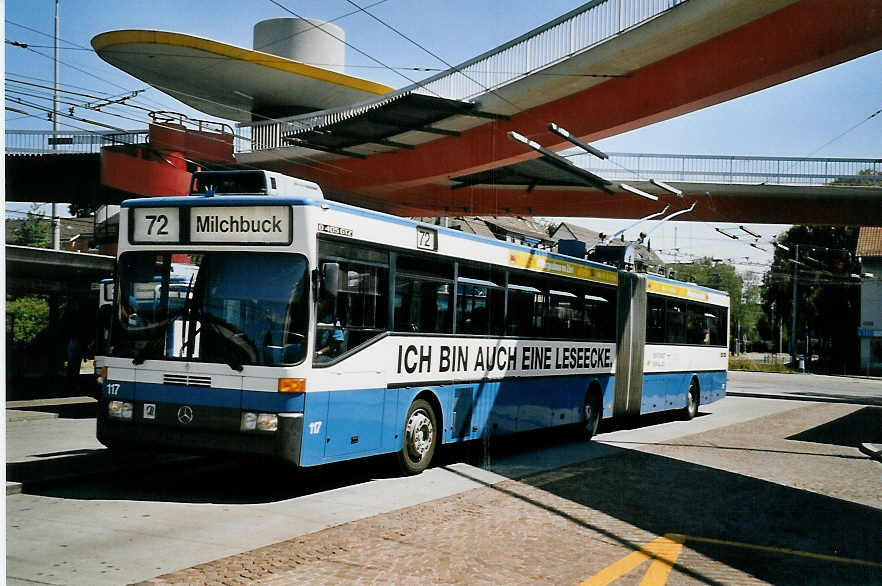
{"x": 185, "y": 415}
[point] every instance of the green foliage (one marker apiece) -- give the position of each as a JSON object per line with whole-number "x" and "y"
{"x": 80, "y": 209}
{"x": 868, "y": 177}
{"x": 34, "y": 231}
{"x": 828, "y": 300}
{"x": 742, "y": 363}
{"x": 29, "y": 315}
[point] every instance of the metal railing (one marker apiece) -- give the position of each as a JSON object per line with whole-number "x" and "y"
{"x": 69, "y": 142}
{"x": 574, "y": 32}
{"x": 734, "y": 169}
{"x": 547, "y": 45}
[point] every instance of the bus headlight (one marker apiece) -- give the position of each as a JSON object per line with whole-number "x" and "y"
{"x": 267, "y": 422}
{"x": 120, "y": 410}
{"x": 249, "y": 422}
{"x": 259, "y": 421}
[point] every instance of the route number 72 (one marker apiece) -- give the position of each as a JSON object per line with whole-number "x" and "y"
{"x": 160, "y": 222}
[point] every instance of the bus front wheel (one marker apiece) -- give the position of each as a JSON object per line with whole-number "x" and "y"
{"x": 420, "y": 438}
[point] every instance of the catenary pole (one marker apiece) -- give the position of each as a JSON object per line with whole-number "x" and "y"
{"x": 54, "y": 223}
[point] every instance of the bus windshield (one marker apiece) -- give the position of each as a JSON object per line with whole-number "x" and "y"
{"x": 226, "y": 307}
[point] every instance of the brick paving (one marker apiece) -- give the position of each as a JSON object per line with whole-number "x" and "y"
{"x": 747, "y": 483}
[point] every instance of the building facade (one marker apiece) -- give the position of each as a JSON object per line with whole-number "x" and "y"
{"x": 869, "y": 251}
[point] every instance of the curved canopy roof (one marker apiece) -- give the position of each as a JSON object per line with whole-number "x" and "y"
{"x": 227, "y": 81}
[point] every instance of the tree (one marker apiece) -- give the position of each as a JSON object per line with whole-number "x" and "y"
{"x": 29, "y": 316}
{"x": 868, "y": 177}
{"x": 82, "y": 209}
{"x": 34, "y": 231}
{"x": 828, "y": 300}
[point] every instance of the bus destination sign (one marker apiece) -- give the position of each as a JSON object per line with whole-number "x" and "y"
{"x": 247, "y": 225}
{"x": 212, "y": 225}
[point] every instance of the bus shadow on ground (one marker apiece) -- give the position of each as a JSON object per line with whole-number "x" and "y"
{"x": 223, "y": 479}
{"x": 178, "y": 478}
{"x": 862, "y": 426}
{"x": 752, "y": 522}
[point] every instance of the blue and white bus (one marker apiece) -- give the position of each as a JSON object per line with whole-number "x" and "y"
{"x": 318, "y": 332}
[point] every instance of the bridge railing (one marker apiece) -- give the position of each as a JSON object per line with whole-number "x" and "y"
{"x": 555, "y": 41}
{"x": 551, "y": 43}
{"x": 734, "y": 169}
{"x": 65, "y": 142}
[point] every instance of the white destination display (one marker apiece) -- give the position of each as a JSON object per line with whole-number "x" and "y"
{"x": 220, "y": 225}
{"x": 156, "y": 225}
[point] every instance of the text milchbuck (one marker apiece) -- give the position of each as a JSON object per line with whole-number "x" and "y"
{"x": 263, "y": 224}
{"x": 241, "y": 224}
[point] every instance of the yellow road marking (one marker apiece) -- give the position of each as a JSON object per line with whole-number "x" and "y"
{"x": 663, "y": 551}
{"x": 666, "y": 553}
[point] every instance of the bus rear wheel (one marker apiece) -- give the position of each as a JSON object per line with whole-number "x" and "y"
{"x": 591, "y": 413}
{"x": 691, "y": 409}
{"x": 420, "y": 438}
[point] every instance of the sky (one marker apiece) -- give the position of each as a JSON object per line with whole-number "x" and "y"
{"x": 819, "y": 115}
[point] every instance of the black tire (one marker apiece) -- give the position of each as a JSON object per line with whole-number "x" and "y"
{"x": 591, "y": 413}
{"x": 420, "y": 438}
{"x": 692, "y": 401}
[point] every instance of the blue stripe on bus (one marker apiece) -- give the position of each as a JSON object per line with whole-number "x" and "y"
{"x": 343, "y": 424}
{"x": 665, "y": 391}
{"x": 272, "y": 402}
{"x": 159, "y": 393}
{"x": 339, "y": 425}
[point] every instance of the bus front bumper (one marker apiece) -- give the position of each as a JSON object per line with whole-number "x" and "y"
{"x": 284, "y": 443}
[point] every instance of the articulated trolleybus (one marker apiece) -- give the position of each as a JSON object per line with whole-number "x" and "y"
{"x": 318, "y": 332}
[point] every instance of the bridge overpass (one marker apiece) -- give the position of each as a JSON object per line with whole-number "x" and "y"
{"x": 757, "y": 189}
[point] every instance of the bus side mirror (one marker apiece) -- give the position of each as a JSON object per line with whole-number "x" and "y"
{"x": 330, "y": 278}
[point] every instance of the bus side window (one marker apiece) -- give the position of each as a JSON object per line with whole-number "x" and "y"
{"x": 675, "y": 321}
{"x": 655, "y": 320}
{"x": 716, "y": 325}
{"x": 566, "y": 318}
{"x": 422, "y": 305}
{"x": 360, "y": 311}
{"x": 696, "y": 330}
{"x": 527, "y": 306}
{"x": 423, "y": 294}
{"x": 478, "y": 308}
{"x": 600, "y": 313}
